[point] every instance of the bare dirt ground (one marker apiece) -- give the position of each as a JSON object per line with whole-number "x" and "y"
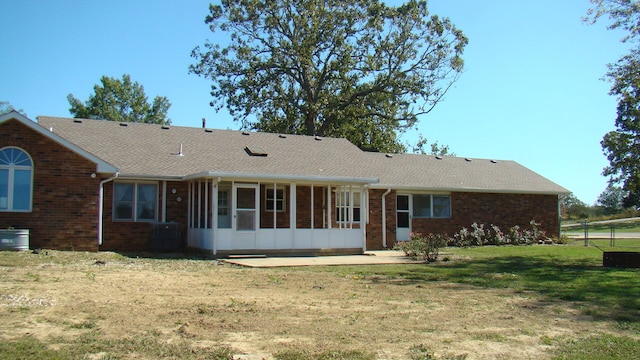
{"x": 259, "y": 312}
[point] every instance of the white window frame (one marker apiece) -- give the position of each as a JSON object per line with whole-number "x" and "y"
{"x": 349, "y": 206}
{"x": 268, "y": 202}
{"x": 11, "y": 169}
{"x": 224, "y": 206}
{"x": 134, "y": 215}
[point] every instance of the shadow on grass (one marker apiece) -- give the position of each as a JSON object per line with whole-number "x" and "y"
{"x": 606, "y": 293}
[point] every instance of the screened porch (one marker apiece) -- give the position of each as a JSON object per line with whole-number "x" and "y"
{"x": 247, "y": 217}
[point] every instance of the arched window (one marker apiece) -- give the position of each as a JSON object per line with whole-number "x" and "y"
{"x": 16, "y": 185}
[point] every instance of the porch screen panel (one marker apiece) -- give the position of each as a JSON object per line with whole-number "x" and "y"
{"x": 224, "y": 219}
{"x": 246, "y": 209}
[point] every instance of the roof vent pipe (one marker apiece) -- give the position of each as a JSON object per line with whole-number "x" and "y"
{"x": 179, "y": 153}
{"x": 204, "y": 123}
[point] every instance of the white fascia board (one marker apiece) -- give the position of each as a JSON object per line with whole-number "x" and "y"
{"x": 471, "y": 190}
{"x": 149, "y": 177}
{"x": 102, "y": 166}
{"x": 279, "y": 177}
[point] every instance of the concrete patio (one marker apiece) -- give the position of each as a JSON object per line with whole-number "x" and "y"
{"x": 368, "y": 258}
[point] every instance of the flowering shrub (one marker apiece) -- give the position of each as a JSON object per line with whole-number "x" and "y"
{"x": 479, "y": 236}
{"x": 421, "y": 247}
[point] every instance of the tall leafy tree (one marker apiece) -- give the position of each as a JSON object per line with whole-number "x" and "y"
{"x": 573, "y": 208}
{"x": 622, "y": 146}
{"x": 121, "y": 100}
{"x": 351, "y": 68}
{"x": 611, "y": 199}
{"x": 622, "y": 13}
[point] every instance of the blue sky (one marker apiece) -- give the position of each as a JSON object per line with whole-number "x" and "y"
{"x": 531, "y": 91}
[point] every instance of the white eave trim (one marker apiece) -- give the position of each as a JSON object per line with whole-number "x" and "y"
{"x": 101, "y": 166}
{"x": 149, "y": 177}
{"x": 471, "y": 190}
{"x": 280, "y": 177}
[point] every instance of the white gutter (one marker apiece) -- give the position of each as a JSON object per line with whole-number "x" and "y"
{"x": 101, "y": 205}
{"x": 431, "y": 190}
{"x": 384, "y": 218}
{"x": 281, "y": 178}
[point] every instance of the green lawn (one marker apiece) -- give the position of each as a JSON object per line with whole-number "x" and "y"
{"x": 564, "y": 272}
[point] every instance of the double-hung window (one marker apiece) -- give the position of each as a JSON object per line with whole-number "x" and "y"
{"x": 431, "y": 206}
{"x": 135, "y": 201}
{"x": 16, "y": 183}
{"x": 276, "y": 198}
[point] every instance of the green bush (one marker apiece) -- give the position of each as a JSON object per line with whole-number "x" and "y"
{"x": 420, "y": 247}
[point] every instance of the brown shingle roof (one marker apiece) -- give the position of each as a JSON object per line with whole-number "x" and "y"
{"x": 448, "y": 173}
{"x": 145, "y": 150}
{"x": 151, "y": 151}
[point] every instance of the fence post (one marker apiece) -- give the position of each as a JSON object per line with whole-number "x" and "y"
{"x": 586, "y": 233}
{"x": 613, "y": 235}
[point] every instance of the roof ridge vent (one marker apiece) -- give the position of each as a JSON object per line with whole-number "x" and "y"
{"x": 318, "y": 138}
{"x": 77, "y": 121}
{"x": 438, "y": 157}
{"x": 494, "y": 161}
{"x": 246, "y": 133}
{"x": 389, "y": 156}
{"x": 123, "y": 124}
{"x": 208, "y": 130}
{"x": 468, "y": 159}
{"x": 282, "y": 136}
{"x": 165, "y": 127}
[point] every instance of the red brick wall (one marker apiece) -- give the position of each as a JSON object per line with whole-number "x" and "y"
{"x": 502, "y": 210}
{"x": 266, "y": 217}
{"x": 303, "y": 207}
{"x": 65, "y": 197}
{"x": 136, "y": 236}
{"x": 374, "y": 227}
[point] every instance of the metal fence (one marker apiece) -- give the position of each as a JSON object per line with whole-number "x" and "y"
{"x": 614, "y": 233}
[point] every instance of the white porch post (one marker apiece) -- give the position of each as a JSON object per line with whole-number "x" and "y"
{"x": 329, "y": 206}
{"x": 206, "y": 203}
{"x": 312, "y": 208}
{"x": 364, "y": 212}
{"x": 275, "y": 197}
{"x": 199, "y": 204}
{"x": 292, "y": 212}
{"x": 214, "y": 215}
{"x": 350, "y": 206}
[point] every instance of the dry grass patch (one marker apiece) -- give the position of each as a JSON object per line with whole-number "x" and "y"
{"x": 108, "y": 306}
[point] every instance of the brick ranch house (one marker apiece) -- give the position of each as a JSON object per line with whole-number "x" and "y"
{"x": 93, "y": 185}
